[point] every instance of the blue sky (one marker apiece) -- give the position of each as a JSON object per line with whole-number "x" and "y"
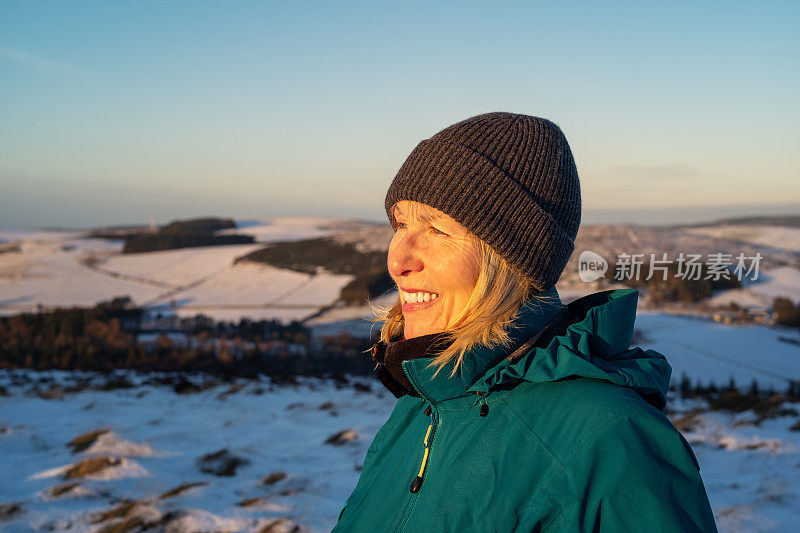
{"x": 120, "y": 112}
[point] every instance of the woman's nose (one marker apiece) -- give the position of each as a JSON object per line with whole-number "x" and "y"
{"x": 404, "y": 257}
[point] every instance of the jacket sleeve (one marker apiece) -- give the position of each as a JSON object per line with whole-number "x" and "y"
{"x": 639, "y": 474}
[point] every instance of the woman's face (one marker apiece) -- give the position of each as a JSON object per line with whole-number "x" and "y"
{"x": 434, "y": 263}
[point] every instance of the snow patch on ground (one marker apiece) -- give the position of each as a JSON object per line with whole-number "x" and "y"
{"x": 73, "y": 491}
{"x": 777, "y": 282}
{"x": 290, "y": 229}
{"x": 111, "y": 444}
{"x": 193, "y": 520}
{"x": 123, "y": 469}
{"x": 750, "y": 470}
{"x": 783, "y": 237}
{"x": 714, "y": 353}
{"x": 177, "y": 267}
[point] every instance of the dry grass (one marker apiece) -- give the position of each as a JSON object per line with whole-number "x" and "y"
{"x": 90, "y": 466}
{"x": 57, "y": 491}
{"x": 129, "y": 516}
{"x": 249, "y": 502}
{"x": 53, "y": 393}
{"x": 280, "y": 525}
{"x": 84, "y": 440}
{"x": 272, "y": 478}
{"x": 10, "y": 510}
{"x": 763, "y": 407}
{"x": 233, "y": 389}
{"x": 342, "y": 437}
{"x": 128, "y": 525}
{"x": 180, "y": 489}
{"x": 121, "y": 510}
{"x": 221, "y": 463}
{"x": 688, "y": 421}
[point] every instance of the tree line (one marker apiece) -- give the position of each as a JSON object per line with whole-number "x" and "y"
{"x": 104, "y": 337}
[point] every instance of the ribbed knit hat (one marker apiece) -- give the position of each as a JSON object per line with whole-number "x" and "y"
{"x": 510, "y": 179}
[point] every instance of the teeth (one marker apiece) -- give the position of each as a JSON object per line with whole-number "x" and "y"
{"x": 416, "y": 297}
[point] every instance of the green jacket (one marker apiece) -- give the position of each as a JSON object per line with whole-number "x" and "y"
{"x": 569, "y": 436}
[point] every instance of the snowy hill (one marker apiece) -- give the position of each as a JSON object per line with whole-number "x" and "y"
{"x": 50, "y": 268}
{"x": 779, "y": 237}
{"x": 61, "y": 269}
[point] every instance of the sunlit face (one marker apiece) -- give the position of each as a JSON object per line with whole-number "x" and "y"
{"x": 434, "y": 262}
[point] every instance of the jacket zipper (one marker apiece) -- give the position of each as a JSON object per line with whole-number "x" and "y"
{"x": 430, "y": 437}
{"x": 417, "y": 483}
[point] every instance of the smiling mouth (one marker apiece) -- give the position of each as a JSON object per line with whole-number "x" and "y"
{"x": 418, "y": 297}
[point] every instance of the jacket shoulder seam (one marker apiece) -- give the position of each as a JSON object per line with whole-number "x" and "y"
{"x": 533, "y": 433}
{"x": 561, "y": 463}
{"x": 600, "y": 434}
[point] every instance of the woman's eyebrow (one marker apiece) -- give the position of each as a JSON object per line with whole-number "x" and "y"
{"x": 439, "y": 219}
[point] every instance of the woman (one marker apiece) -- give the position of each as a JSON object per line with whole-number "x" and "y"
{"x": 515, "y": 412}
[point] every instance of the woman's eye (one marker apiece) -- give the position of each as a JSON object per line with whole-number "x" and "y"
{"x": 399, "y": 225}
{"x": 438, "y": 231}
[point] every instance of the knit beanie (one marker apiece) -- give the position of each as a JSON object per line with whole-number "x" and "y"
{"x": 510, "y": 179}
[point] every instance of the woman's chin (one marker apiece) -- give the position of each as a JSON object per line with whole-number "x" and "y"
{"x": 413, "y": 330}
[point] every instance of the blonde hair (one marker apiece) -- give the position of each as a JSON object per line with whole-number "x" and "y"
{"x": 499, "y": 293}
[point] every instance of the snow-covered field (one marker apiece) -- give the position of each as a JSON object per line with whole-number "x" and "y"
{"x": 710, "y": 352}
{"x": 781, "y": 237}
{"x": 774, "y": 283}
{"x": 749, "y": 466}
{"x": 156, "y": 438}
{"x": 286, "y": 229}
{"x": 62, "y": 269}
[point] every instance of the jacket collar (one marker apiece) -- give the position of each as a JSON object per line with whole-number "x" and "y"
{"x": 531, "y": 318}
{"x": 391, "y": 356}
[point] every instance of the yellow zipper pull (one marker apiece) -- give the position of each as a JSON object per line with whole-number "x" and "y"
{"x": 417, "y": 483}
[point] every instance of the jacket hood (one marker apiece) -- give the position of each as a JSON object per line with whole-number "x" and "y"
{"x": 589, "y": 338}
{"x": 595, "y": 345}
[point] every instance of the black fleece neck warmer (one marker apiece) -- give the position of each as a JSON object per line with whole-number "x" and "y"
{"x": 389, "y": 358}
